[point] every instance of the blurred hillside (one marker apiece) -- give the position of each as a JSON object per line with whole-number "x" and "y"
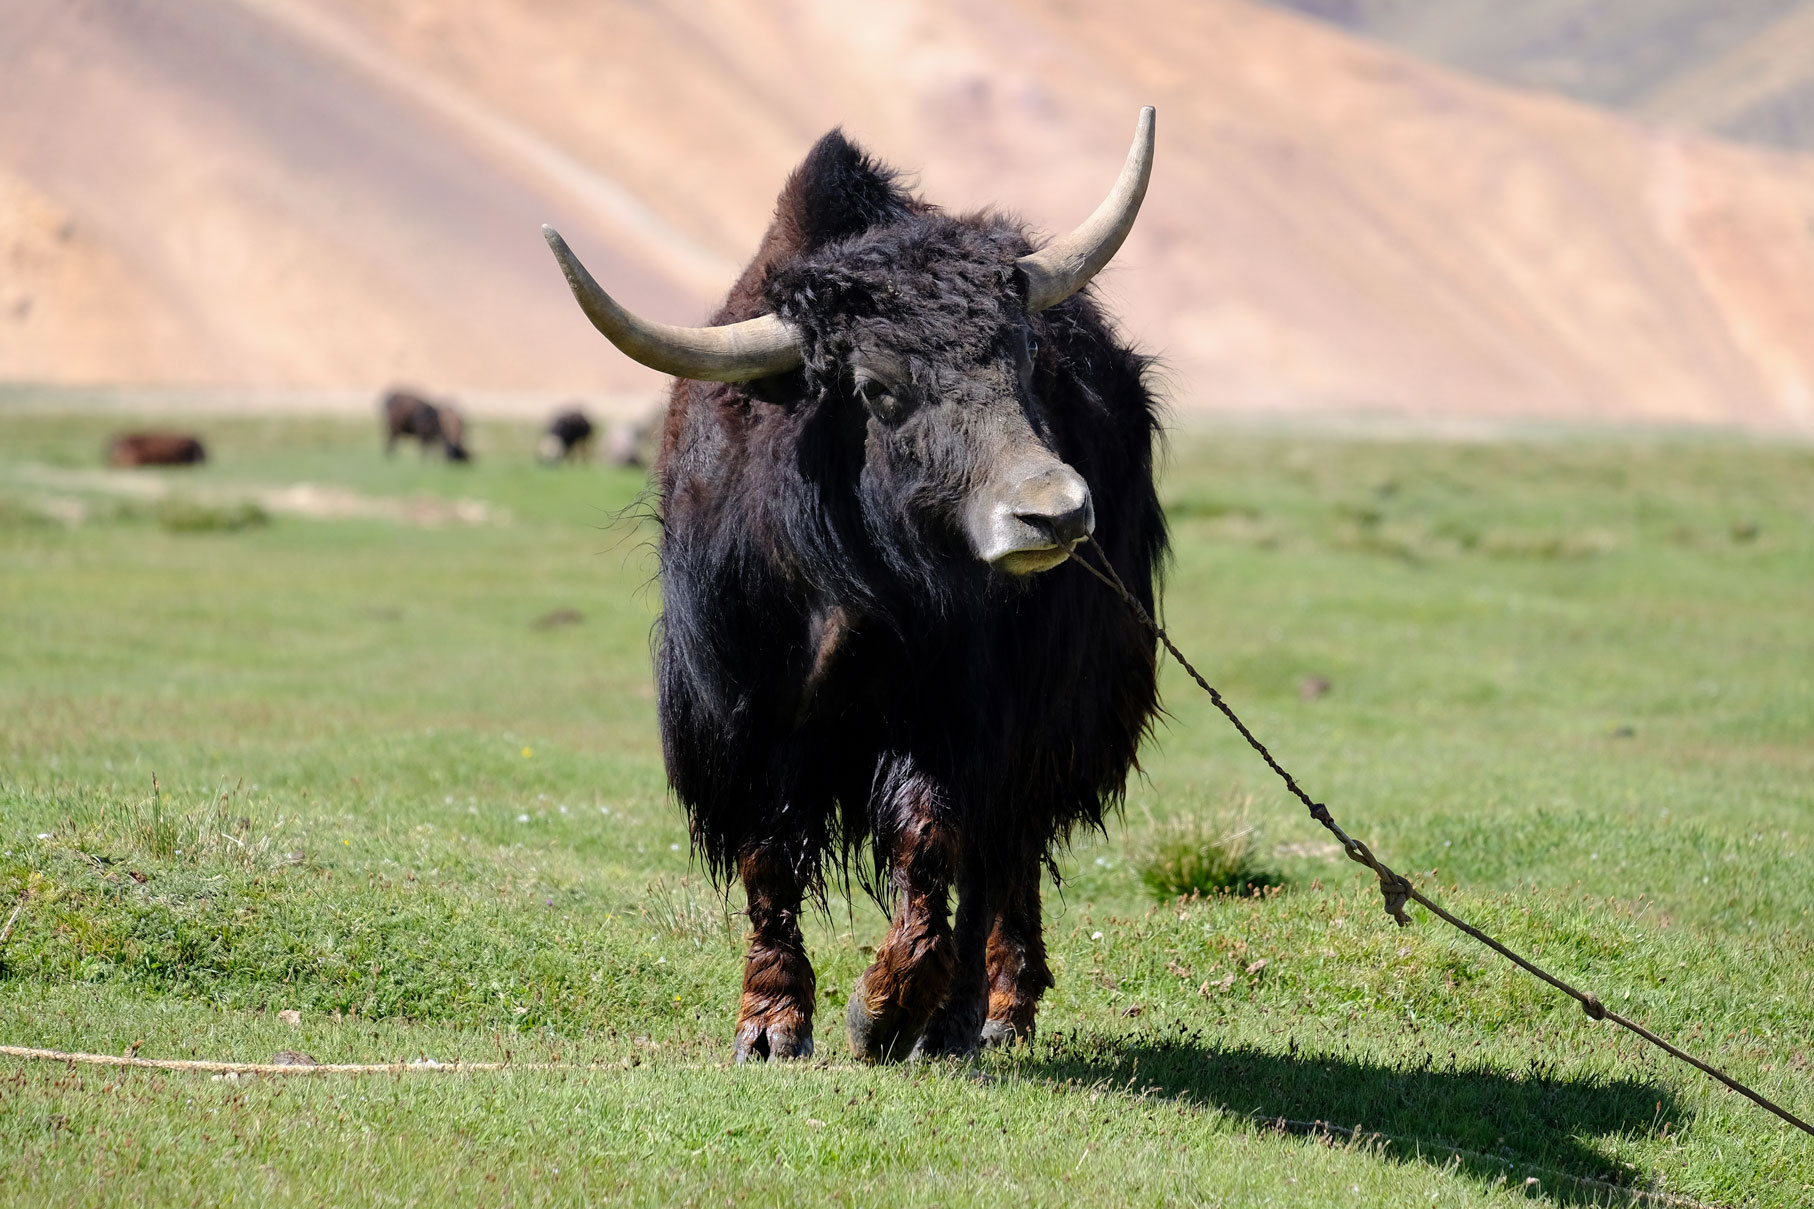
{"x": 1743, "y": 69}
{"x": 343, "y": 192}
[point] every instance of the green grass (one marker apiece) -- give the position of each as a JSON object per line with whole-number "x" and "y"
{"x": 1571, "y": 689}
{"x": 1192, "y": 855}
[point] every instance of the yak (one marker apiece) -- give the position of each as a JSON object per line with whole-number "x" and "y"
{"x": 876, "y": 460}
{"x": 567, "y": 438}
{"x": 407, "y": 414}
{"x": 155, "y": 449}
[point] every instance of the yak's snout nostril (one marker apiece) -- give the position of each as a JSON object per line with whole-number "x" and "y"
{"x": 1065, "y": 528}
{"x": 1055, "y": 503}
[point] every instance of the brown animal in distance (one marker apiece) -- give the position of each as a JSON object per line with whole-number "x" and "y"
{"x": 155, "y": 449}
{"x": 407, "y": 414}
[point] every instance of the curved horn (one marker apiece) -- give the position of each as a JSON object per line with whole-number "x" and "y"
{"x": 1064, "y": 266}
{"x": 734, "y": 352}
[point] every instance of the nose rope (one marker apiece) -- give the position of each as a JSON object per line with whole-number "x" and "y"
{"x": 1395, "y": 889}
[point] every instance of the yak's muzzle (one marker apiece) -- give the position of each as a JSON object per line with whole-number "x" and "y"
{"x": 1030, "y": 523}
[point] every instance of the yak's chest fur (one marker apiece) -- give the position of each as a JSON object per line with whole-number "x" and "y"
{"x": 795, "y": 662}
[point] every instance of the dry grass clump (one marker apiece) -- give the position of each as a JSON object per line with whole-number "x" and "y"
{"x": 1198, "y": 856}
{"x": 688, "y": 910}
{"x": 179, "y": 514}
{"x": 224, "y": 831}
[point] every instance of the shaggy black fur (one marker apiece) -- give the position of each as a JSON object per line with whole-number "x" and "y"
{"x": 825, "y": 628}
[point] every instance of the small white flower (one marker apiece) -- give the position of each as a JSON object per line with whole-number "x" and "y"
{"x": 1095, "y": 936}
{"x": 522, "y": 818}
{"x": 673, "y": 847}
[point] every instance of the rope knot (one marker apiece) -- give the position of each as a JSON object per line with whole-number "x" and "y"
{"x": 1396, "y": 896}
{"x": 1393, "y": 888}
{"x": 1590, "y": 1003}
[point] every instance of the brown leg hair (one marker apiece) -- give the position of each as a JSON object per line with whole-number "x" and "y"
{"x": 1018, "y": 974}
{"x": 775, "y": 1019}
{"x": 898, "y": 994}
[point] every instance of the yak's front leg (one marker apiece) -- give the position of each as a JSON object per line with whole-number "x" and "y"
{"x": 896, "y": 996}
{"x": 956, "y": 1029}
{"x": 775, "y": 1019}
{"x": 1018, "y": 974}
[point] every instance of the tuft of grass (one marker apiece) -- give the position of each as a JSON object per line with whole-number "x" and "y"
{"x": 181, "y": 515}
{"x": 1195, "y": 857}
{"x": 225, "y": 831}
{"x": 687, "y": 910}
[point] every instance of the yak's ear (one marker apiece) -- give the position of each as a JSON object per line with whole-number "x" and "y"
{"x": 837, "y": 192}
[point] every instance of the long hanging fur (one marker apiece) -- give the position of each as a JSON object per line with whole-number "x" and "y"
{"x": 816, "y": 634}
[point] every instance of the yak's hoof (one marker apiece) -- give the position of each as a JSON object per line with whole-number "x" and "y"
{"x": 878, "y": 1037}
{"x": 954, "y": 1032}
{"x": 1002, "y": 1033}
{"x": 757, "y": 1042}
{"x": 929, "y": 1047}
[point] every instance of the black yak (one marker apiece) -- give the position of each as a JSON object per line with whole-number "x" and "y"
{"x": 407, "y": 414}
{"x": 155, "y": 449}
{"x": 568, "y": 437}
{"x": 873, "y": 467}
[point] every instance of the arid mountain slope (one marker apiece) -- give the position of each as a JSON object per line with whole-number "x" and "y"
{"x": 333, "y": 192}
{"x": 1740, "y": 69}
{"x": 273, "y": 209}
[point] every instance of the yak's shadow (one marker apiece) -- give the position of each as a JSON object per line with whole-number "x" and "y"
{"x": 1492, "y": 1124}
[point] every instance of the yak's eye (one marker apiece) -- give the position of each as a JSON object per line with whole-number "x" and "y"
{"x": 1029, "y": 349}
{"x": 882, "y": 402}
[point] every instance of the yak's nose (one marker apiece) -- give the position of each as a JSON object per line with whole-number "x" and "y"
{"x": 1056, "y": 503}
{"x": 1032, "y": 525}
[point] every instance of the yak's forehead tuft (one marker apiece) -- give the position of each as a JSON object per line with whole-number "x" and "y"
{"x": 929, "y": 280}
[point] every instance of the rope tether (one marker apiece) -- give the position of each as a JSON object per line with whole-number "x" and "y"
{"x": 1395, "y": 888}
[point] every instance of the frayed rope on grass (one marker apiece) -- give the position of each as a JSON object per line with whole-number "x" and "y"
{"x": 1324, "y": 1130}
{"x": 211, "y": 1066}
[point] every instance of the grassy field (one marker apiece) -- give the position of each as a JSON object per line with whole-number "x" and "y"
{"x": 387, "y": 760}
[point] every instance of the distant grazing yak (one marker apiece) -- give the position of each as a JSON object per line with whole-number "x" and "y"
{"x": 155, "y": 449}
{"x": 435, "y": 425}
{"x": 870, "y": 654}
{"x": 567, "y": 438}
